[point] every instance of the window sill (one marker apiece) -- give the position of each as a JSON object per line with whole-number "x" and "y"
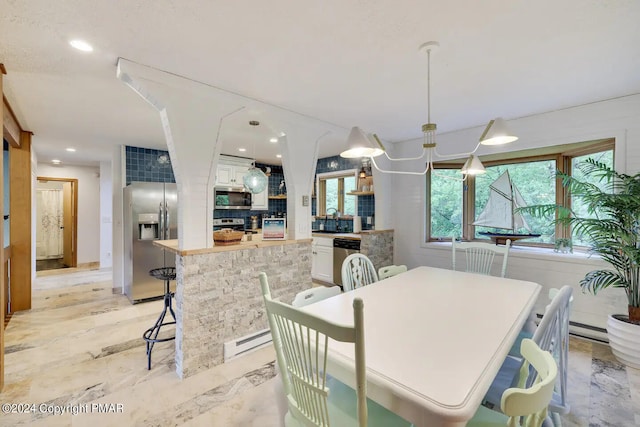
{"x": 528, "y": 252}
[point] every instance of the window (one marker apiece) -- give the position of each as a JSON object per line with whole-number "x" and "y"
{"x": 453, "y": 206}
{"x": 333, "y": 189}
{"x": 578, "y": 206}
{"x": 446, "y": 204}
{"x": 536, "y": 183}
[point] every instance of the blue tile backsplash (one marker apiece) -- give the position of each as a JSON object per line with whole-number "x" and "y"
{"x": 276, "y": 206}
{"x": 149, "y": 165}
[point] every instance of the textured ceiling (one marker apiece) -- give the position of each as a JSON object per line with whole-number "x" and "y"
{"x": 340, "y": 61}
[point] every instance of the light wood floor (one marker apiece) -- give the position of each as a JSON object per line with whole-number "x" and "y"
{"x": 80, "y": 350}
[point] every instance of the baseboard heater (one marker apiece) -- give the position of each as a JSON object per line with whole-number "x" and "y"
{"x": 583, "y": 330}
{"x": 247, "y": 343}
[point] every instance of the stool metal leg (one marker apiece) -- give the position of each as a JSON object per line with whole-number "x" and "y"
{"x": 151, "y": 334}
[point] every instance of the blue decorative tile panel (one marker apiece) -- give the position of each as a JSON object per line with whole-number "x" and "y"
{"x": 148, "y": 165}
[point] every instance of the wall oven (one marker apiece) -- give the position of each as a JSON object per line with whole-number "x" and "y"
{"x": 231, "y": 198}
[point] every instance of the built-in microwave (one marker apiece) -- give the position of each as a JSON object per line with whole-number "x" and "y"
{"x": 231, "y": 198}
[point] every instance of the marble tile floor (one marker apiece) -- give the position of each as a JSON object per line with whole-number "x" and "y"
{"x": 80, "y": 350}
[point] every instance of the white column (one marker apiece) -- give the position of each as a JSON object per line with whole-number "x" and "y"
{"x": 300, "y": 142}
{"x": 299, "y": 160}
{"x": 191, "y": 114}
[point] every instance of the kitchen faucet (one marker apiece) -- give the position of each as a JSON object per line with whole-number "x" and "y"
{"x": 335, "y": 216}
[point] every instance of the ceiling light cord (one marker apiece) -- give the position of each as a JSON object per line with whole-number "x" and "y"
{"x": 429, "y": 86}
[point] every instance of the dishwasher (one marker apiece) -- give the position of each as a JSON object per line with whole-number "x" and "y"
{"x": 342, "y": 248}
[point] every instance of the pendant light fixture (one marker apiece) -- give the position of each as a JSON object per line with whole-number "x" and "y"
{"x": 360, "y": 144}
{"x": 255, "y": 180}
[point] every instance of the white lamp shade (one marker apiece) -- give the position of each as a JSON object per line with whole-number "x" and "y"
{"x": 255, "y": 180}
{"x": 496, "y": 133}
{"x": 358, "y": 145}
{"x": 473, "y": 166}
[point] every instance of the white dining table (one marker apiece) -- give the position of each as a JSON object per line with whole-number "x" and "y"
{"x": 434, "y": 339}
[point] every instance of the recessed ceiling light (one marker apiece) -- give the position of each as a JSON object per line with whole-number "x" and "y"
{"x": 71, "y": 150}
{"x": 81, "y": 45}
{"x": 273, "y": 140}
{"x": 56, "y": 161}
{"x": 279, "y": 156}
{"x": 242, "y": 150}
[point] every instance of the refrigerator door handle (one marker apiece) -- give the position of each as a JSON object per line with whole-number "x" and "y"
{"x": 161, "y": 220}
{"x": 166, "y": 221}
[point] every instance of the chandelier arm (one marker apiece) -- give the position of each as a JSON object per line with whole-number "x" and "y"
{"x": 373, "y": 160}
{"x": 450, "y": 178}
{"x": 452, "y": 156}
{"x": 429, "y": 167}
{"x": 398, "y": 159}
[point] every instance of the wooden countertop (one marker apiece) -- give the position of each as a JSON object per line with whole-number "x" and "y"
{"x": 354, "y": 236}
{"x": 172, "y": 245}
{"x": 390, "y": 230}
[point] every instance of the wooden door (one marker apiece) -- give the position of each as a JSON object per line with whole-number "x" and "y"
{"x": 68, "y": 222}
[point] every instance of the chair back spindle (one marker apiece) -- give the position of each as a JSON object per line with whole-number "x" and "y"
{"x": 357, "y": 271}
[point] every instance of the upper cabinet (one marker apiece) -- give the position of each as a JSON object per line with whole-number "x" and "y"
{"x": 230, "y": 173}
{"x": 260, "y": 201}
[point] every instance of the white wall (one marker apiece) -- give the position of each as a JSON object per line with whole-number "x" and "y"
{"x": 88, "y": 206}
{"x": 118, "y": 181}
{"x": 106, "y": 215}
{"x": 614, "y": 118}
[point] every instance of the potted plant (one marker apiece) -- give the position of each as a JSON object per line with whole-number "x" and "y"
{"x": 612, "y": 225}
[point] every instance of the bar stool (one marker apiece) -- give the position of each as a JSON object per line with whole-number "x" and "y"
{"x": 151, "y": 335}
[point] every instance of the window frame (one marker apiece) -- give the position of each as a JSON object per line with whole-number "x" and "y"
{"x": 563, "y": 156}
{"x": 321, "y": 189}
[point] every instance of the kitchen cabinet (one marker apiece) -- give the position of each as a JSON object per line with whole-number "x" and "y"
{"x": 260, "y": 201}
{"x": 322, "y": 259}
{"x": 230, "y": 175}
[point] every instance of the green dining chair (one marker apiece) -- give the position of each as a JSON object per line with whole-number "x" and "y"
{"x": 315, "y": 294}
{"x": 521, "y": 405}
{"x": 479, "y": 256}
{"x": 390, "y": 270}
{"x": 314, "y": 398}
{"x": 551, "y": 335}
{"x": 357, "y": 270}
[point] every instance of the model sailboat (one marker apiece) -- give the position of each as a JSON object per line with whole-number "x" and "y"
{"x": 500, "y": 211}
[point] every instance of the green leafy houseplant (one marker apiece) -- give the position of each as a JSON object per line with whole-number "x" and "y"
{"x": 612, "y": 225}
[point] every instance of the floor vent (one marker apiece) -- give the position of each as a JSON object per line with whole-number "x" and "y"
{"x": 247, "y": 343}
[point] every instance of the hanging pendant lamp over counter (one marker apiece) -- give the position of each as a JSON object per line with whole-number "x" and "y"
{"x": 255, "y": 180}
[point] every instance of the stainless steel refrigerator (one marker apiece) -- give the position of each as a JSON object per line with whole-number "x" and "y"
{"x": 150, "y": 213}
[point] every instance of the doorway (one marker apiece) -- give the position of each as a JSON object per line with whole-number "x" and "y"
{"x": 56, "y": 223}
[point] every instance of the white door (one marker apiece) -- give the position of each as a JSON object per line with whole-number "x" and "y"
{"x": 49, "y": 242}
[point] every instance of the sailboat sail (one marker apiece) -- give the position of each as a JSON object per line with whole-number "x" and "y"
{"x": 504, "y": 199}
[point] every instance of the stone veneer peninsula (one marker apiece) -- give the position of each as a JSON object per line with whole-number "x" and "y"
{"x": 218, "y": 297}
